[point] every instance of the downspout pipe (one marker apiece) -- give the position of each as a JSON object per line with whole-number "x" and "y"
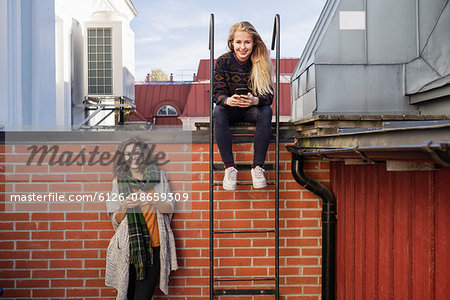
{"x": 328, "y": 224}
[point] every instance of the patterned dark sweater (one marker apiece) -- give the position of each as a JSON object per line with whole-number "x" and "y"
{"x": 229, "y": 74}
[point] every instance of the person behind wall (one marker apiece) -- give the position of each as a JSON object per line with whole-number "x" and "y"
{"x": 142, "y": 251}
{"x": 246, "y": 66}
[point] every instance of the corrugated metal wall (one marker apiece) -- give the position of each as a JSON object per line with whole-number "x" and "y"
{"x": 393, "y": 234}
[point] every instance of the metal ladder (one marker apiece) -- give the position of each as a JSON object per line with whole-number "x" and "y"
{"x": 212, "y": 232}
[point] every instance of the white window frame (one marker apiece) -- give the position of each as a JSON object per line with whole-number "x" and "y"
{"x": 168, "y": 107}
{"x": 103, "y": 74}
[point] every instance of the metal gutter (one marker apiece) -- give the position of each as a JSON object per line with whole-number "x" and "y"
{"x": 427, "y": 152}
{"x": 328, "y": 223}
{"x": 376, "y": 137}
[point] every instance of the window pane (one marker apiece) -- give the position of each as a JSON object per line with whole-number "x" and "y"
{"x": 99, "y": 61}
{"x": 167, "y": 110}
{"x": 172, "y": 111}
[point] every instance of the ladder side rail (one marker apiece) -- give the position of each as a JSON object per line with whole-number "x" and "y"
{"x": 276, "y": 41}
{"x": 211, "y": 158}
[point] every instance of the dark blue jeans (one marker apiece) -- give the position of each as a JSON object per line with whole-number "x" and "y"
{"x": 226, "y": 115}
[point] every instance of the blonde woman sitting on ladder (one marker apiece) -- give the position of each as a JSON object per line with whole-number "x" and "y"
{"x": 243, "y": 92}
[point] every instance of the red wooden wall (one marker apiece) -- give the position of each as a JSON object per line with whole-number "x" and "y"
{"x": 393, "y": 232}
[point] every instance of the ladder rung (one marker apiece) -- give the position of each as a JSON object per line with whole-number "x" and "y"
{"x": 244, "y": 292}
{"x": 246, "y": 132}
{"x": 243, "y": 183}
{"x": 237, "y": 136}
{"x": 243, "y": 167}
{"x": 245, "y": 279}
{"x": 244, "y": 231}
{"x": 249, "y": 134}
{"x": 242, "y": 134}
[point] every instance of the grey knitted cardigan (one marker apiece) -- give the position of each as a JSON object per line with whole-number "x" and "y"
{"x": 118, "y": 254}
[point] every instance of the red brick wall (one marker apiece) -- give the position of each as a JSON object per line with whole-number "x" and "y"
{"x": 57, "y": 250}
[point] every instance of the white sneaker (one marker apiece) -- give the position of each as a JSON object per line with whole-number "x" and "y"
{"x": 230, "y": 178}
{"x": 259, "y": 181}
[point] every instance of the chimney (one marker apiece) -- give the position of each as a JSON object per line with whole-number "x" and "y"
{"x": 171, "y": 76}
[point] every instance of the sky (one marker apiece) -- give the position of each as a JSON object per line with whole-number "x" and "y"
{"x": 173, "y": 34}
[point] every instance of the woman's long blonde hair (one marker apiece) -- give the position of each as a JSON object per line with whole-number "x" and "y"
{"x": 261, "y": 76}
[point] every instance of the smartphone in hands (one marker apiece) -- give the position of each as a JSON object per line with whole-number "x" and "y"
{"x": 241, "y": 91}
{"x": 243, "y": 100}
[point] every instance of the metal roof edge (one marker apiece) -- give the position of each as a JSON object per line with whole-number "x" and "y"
{"x": 429, "y": 151}
{"x": 397, "y": 126}
{"x": 316, "y": 35}
{"x": 379, "y": 137}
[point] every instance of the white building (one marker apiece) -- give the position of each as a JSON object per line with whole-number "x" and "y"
{"x": 54, "y": 53}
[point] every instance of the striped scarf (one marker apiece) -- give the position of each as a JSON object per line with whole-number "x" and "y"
{"x": 140, "y": 246}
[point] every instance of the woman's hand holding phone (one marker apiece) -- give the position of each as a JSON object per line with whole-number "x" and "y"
{"x": 242, "y": 98}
